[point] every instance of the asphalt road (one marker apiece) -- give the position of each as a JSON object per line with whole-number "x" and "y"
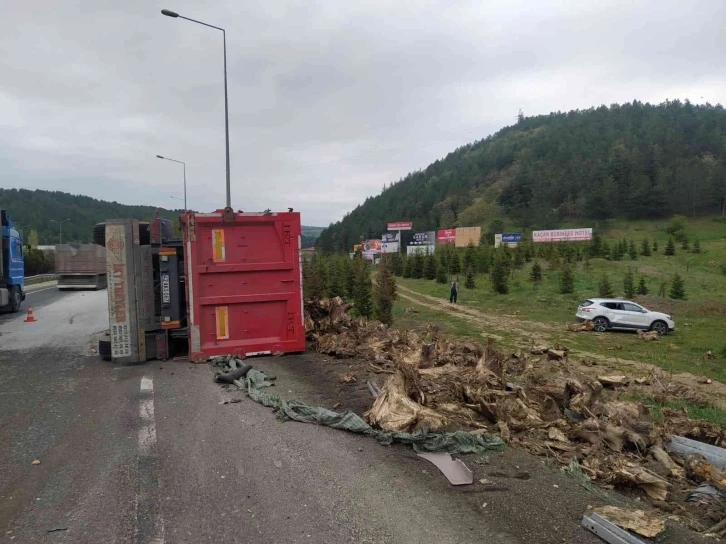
{"x": 147, "y": 454}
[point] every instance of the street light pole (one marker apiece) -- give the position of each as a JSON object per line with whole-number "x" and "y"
{"x": 175, "y": 15}
{"x": 60, "y": 229}
{"x": 184, "y": 165}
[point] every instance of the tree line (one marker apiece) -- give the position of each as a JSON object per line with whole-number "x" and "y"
{"x": 633, "y": 160}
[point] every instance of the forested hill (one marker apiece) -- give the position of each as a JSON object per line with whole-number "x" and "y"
{"x": 632, "y": 160}
{"x": 33, "y": 210}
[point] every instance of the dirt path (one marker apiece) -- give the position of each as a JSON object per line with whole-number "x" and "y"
{"x": 533, "y": 332}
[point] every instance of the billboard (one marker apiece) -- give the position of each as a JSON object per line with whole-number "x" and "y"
{"x": 446, "y": 236}
{"x": 424, "y": 238}
{"x": 400, "y": 225}
{"x": 562, "y": 235}
{"x": 372, "y": 245}
{"x": 510, "y": 239}
{"x": 467, "y": 235}
{"x": 422, "y": 249}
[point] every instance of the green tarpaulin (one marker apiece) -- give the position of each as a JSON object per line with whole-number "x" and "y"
{"x": 256, "y": 385}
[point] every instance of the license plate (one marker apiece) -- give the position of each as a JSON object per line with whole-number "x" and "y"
{"x": 165, "y": 289}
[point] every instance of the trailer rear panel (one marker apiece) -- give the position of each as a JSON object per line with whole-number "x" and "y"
{"x": 80, "y": 266}
{"x": 244, "y": 284}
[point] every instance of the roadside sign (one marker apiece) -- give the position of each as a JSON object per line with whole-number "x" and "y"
{"x": 400, "y": 225}
{"x": 510, "y": 239}
{"x": 562, "y": 235}
{"x": 446, "y": 236}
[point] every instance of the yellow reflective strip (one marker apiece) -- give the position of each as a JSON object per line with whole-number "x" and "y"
{"x": 222, "y": 322}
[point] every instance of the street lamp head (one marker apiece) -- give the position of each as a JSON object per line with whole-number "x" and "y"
{"x": 169, "y": 13}
{"x": 159, "y": 157}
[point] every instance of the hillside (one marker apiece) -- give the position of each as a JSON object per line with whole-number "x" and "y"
{"x": 624, "y": 161}
{"x": 33, "y": 210}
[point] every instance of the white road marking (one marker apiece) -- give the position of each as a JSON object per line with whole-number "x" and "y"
{"x": 147, "y": 385}
{"x": 153, "y": 532}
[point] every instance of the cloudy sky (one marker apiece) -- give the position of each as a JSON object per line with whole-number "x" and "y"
{"x": 329, "y": 100}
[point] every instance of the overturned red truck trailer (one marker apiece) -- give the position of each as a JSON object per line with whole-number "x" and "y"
{"x": 244, "y": 283}
{"x": 231, "y": 285}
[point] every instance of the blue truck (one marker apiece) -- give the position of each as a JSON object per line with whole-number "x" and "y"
{"x": 12, "y": 266}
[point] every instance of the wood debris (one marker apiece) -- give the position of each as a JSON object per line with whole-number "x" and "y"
{"x": 648, "y": 524}
{"x": 536, "y": 400}
{"x": 650, "y": 335}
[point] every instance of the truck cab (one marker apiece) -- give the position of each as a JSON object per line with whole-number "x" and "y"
{"x": 12, "y": 266}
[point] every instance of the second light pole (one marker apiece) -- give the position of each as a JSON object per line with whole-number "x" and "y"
{"x": 170, "y": 13}
{"x": 60, "y": 228}
{"x": 185, "y": 177}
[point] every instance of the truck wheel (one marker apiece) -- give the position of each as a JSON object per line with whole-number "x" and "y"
{"x": 99, "y": 234}
{"x": 104, "y": 348}
{"x": 16, "y": 299}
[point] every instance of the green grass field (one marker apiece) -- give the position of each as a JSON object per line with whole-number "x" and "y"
{"x": 700, "y": 320}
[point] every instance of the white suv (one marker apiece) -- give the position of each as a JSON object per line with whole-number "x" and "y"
{"x": 610, "y": 313}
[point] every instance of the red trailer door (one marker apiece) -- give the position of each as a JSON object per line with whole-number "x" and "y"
{"x": 244, "y": 284}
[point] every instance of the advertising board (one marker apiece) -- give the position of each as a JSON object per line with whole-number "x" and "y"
{"x": 509, "y": 239}
{"x": 400, "y": 225}
{"x": 446, "y": 236}
{"x": 422, "y": 249}
{"x": 561, "y": 235}
{"x": 424, "y": 238}
{"x": 467, "y": 235}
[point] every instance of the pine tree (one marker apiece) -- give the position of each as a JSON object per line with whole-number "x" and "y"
{"x": 349, "y": 278}
{"x": 484, "y": 259}
{"x": 595, "y": 247}
{"x": 645, "y": 248}
{"x": 617, "y": 254}
{"x": 384, "y": 292}
{"x": 567, "y": 281}
{"x": 430, "y": 268}
{"x": 642, "y": 287}
{"x": 605, "y": 289}
{"x": 655, "y": 245}
{"x": 670, "y": 248}
{"x": 632, "y": 251}
{"x": 535, "y": 274}
{"x": 396, "y": 264}
{"x": 407, "y": 267}
{"x": 470, "y": 257}
{"x": 336, "y": 278}
{"x": 441, "y": 275}
{"x": 470, "y": 282}
{"x": 518, "y": 260}
{"x": 606, "y": 252}
{"x": 696, "y": 246}
{"x": 623, "y": 247}
{"x": 417, "y": 266}
{"x": 362, "y": 297}
{"x": 528, "y": 252}
{"x": 684, "y": 244}
{"x": 629, "y": 284}
{"x": 454, "y": 263}
{"x": 678, "y": 288}
{"x": 500, "y": 276}
{"x": 313, "y": 284}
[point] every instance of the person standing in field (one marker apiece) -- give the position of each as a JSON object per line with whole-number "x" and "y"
{"x": 454, "y": 291}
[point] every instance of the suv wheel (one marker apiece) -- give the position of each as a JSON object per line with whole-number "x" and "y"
{"x": 660, "y": 327}
{"x": 601, "y": 324}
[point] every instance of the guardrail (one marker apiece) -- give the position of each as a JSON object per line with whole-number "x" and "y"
{"x": 40, "y": 278}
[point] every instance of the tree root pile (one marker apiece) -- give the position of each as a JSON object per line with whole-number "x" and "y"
{"x": 540, "y": 401}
